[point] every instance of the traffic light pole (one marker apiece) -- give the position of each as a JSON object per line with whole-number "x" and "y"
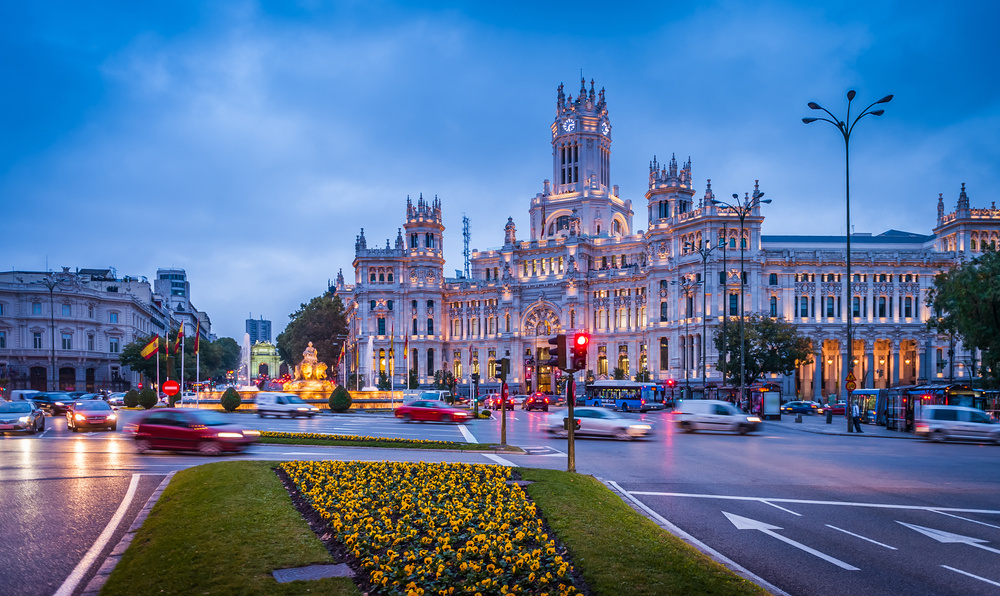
{"x": 504, "y": 399}
{"x": 571, "y": 423}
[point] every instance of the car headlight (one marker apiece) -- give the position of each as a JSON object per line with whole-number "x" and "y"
{"x": 112, "y": 417}
{"x": 225, "y": 435}
{"x": 753, "y": 419}
{"x": 79, "y": 417}
{"x": 23, "y": 419}
{"x": 303, "y": 409}
{"x": 640, "y": 426}
{"x": 251, "y": 433}
{"x": 59, "y": 403}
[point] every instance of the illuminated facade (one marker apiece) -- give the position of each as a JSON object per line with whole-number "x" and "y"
{"x": 584, "y": 266}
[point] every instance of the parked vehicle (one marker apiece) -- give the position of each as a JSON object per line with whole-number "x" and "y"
{"x": 536, "y": 401}
{"x": 431, "y": 410}
{"x": 283, "y": 404}
{"x": 598, "y": 422}
{"x": 23, "y": 394}
{"x": 940, "y": 423}
{"x": 801, "y": 407}
{"x": 21, "y": 416}
{"x": 91, "y": 413}
{"x": 710, "y": 414}
{"x": 53, "y": 402}
{"x": 838, "y": 408}
{"x": 204, "y": 431}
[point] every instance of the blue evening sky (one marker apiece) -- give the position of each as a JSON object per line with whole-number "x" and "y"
{"x": 248, "y": 142}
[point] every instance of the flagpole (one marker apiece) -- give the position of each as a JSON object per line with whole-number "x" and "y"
{"x": 392, "y": 369}
{"x": 197, "y": 380}
{"x": 158, "y": 364}
{"x": 183, "y": 339}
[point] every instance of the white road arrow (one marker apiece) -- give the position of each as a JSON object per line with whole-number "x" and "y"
{"x": 948, "y": 537}
{"x": 745, "y": 523}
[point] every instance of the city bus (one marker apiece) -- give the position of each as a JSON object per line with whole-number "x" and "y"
{"x": 903, "y": 404}
{"x": 625, "y": 395}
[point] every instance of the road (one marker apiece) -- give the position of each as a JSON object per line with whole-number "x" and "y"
{"x": 808, "y": 513}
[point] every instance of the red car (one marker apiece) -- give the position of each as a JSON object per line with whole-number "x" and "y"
{"x": 91, "y": 413}
{"x": 838, "y": 408}
{"x": 431, "y": 410}
{"x": 536, "y": 401}
{"x": 204, "y": 431}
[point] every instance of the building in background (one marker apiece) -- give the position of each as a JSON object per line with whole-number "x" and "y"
{"x": 584, "y": 266}
{"x": 259, "y": 330}
{"x": 174, "y": 291}
{"x": 65, "y": 330}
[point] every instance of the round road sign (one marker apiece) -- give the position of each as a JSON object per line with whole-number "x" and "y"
{"x": 851, "y": 385}
{"x": 171, "y": 387}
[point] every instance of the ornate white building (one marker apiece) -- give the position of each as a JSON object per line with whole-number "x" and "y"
{"x": 585, "y": 266}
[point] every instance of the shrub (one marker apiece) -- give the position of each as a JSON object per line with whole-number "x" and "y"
{"x": 231, "y": 400}
{"x": 131, "y": 398}
{"x": 147, "y": 398}
{"x": 340, "y": 399}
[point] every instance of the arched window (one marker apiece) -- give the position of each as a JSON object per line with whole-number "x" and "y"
{"x": 663, "y": 312}
{"x": 774, "y": 306}
{"x": 390, "y": 276}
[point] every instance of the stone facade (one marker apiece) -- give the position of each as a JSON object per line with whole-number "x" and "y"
{"x": 583, "y": 266}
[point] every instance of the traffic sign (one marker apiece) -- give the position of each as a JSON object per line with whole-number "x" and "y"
{"x": 171, "y": 388}
{"x": 851, "y": 378}
{"x": 851, "y": 385}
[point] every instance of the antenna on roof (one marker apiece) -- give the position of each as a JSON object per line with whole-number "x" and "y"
{"x": 466, "y": 235}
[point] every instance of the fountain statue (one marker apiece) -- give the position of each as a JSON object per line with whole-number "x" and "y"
{"x": 310, "y": 377}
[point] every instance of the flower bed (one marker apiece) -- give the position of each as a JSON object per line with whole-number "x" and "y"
{"x": 271, "y": 434}
{"x": 426, "y": 528}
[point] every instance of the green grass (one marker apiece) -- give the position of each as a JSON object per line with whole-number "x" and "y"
{"x": 386, "y": 443}
{"x": 222, "y": 528}
{"x": 618, "y": 550}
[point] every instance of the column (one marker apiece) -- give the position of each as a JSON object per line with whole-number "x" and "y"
{"x": 845, "y": 368}
{"x": 894, "y": 346}
{"x": 870, "y": 383}
{"x": 818, "y": 372}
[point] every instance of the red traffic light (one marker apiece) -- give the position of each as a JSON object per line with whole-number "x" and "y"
{"x": 582, "y": 340}
{"x": 671, "y": 383}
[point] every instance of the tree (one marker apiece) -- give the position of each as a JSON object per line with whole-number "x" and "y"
{"x": 618, "y": 374}
{"x": 383, "y": 384}
{"x": 444, "y": 380}
{"x": 340, "y": 399}
{"x": 414, "y": 382}
{"x": 966, "y": 302}
{"x": 773, "y": 346}
{"x": 321, "y": 322}
{"x": 643, "y": 376}
{"x": 131, "y": 356}
{"x": 216, "y": 358}
{"x": 230, "y": 400}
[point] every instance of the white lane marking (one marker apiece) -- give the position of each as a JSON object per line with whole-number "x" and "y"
{"x": 811, "y": 502}
{"x": 982, "y": 579}
{"x": 468, "y": 435}
{"x": 949, "y": 537}
{"x": 500, "y": 460}
{"x": 745, "y": 523}
{"x": 782, "y": 508}
{"x": 81, "y": 569}
{"x": 861, "y": 537}
{"x": 739, "y": 569}
{"x": 966, "y": 519}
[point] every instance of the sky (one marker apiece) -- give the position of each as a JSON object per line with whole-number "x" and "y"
{"x": 249, "y": 142}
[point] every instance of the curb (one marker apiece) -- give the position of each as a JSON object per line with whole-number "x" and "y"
{"x": 98, "y": 581}
{"x": 846, "y": 434}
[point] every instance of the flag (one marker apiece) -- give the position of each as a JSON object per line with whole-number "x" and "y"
{"x": 197, "y": 335}
{"x": 151, "y": 348}
{"x": 177, "y": 340}
{"x": 470, "y": 355}
{"x": 406, "y": 346}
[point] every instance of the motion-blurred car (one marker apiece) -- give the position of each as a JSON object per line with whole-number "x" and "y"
{"x": 535, "y": 401}
{"x": 837, "y": 408}
{"x": 801, "y": 407}
{"x": 512, "y": 401}
{"x": 710, "y": 414}
{"x": 116, "y": 399}
{"x": 204, "y": 431}
{"x": 940, "y": 423}
{"x": 21, "y": 416}
{"x": 599, "y": 422}
{"x": 431, "y": 410}
{"x": 283, "y": 404}
{"x": 91, "y": 413}
{"x": 52, "y": 402}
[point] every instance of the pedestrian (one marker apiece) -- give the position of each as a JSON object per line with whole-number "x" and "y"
{"x": 856, "y": 416}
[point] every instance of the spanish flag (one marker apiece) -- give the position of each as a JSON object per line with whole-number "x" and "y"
{"x": 197, "y": 335}
{"x": 151, "y": 348}
{"x": 177, "y": 340}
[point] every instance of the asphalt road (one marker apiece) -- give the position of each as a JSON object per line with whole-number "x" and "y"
{"x": 808, "y": 513}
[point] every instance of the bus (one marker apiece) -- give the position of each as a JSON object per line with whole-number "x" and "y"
{"x": 626, "y": 396}
{"x": 903, "y": 404}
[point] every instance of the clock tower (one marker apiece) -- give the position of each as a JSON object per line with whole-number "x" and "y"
{"x": 581, "y": 172}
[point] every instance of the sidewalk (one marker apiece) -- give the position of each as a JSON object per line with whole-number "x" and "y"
{"x": 818, "y": 425}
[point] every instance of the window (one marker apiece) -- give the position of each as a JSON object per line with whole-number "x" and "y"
{"x": 430, "y": 362}
{"x": 390, "y": 276}
{"x": 456, "y": 328}
{"x": 881, "y": 307}
{"x": 804, "y": 307}
{"x": 722, "y": 278}
{"x": 908, "y": 307}
{"x": 734, "y": 305}
{"x": 67, "y": 341}
{"x": 90, "y": 343}
{"x": 371, "y": 305}
{"x": 388, "y": 305}
{"x": 3, "y": 339}
{"x": 381, "y": 326}
{"x": 413, "y": 304}
{"x": 36, "y": 340}
{"x": 372, "y": 277}
{"x": 67, "y": 310}
{"x": 381, "y": 278}
{"x": 602, "y": 360}
{"x": 856, "y": 307}
{"x": 430, "y": 306}
{"x": 113, "y": 345}
{"x": 414, "y": 332}
{"x": 829, "y": 306}
{"x": 774, "y": 306}
{"x": 90, "y": 311}
{"x": 430, "y": 326}
{"x": 112, "y": 317}
{"x": 36, "y": 308}
{"x": 772, "y": 279}
{"x": 746, "y": 276}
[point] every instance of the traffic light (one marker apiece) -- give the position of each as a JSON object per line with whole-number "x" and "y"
{"x": 557, "y": 355}
{"x": 581, "y": 341}
{"x": 671, "y": 383}
{"x": 502, "y": 368}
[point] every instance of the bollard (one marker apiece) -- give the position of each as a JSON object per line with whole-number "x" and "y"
{"x": 829, "y": 415}
{"x": 798, "y": 417}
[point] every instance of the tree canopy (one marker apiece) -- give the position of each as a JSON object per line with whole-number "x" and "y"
{"x": 321, "y": 322}
{"x": 966, "y": 302}
{"x": 773, "y": 345}
{"x": 216, "y": 358}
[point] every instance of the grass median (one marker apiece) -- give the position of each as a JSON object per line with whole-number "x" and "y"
{"x": 222, "y": 528}
{"x": 286, "y": 438}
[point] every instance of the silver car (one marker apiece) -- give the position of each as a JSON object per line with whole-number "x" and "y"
{"x": 21, "y": 416}
{"x": 598, "y": 422}
{"x": 939, "y": 423}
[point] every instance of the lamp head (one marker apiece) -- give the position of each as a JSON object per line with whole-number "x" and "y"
{"x": 877, "y": 112}
{"x": 736, "y": 196}
{"x": 766, "y": 201}
{"x": 851, "y": 94}
{"x": 814, "y": 106}
{"x": 809, "y": 120}
{"x": 885, "y": 99}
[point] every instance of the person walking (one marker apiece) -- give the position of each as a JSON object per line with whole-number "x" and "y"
{"x": 856, "y": 417}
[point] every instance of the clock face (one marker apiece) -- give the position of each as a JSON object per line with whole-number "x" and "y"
{"x": 569, "y": 125}
{"x": 605, "y": 128}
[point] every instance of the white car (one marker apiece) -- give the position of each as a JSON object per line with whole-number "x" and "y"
{"x": 188, "y": 397}
{"x": 940, "y": 423}
{"x": 598, "y": 422}
{"x": 116, "y": 399}
{"x": 711, "y": 414}
{"x": 283, "y": 404}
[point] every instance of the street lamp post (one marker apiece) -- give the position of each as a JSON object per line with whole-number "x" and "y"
{"x": 687, "y": 287}
{"x": 705, "y": 252}
{"x": 845, "y": 130}
{"x": 743, "y": 208}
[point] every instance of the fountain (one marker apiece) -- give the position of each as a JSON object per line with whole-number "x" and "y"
{"x": 310, "y": 377}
